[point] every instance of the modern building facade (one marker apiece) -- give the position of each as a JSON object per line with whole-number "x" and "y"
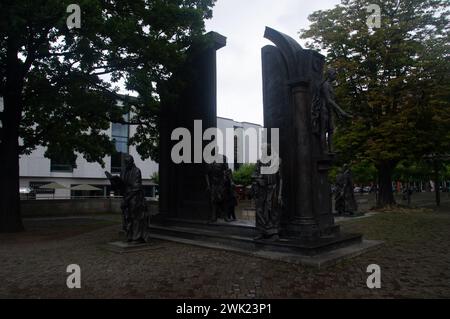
{"x": 37, "y": 170}
{"x": 247, "y": 136}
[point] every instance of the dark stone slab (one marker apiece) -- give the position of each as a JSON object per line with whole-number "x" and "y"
{"x": 183, "y": 187}
{"x": 122, "y": 247}
{"x": 243, "y": 236}
{"x": 325, "y": 252}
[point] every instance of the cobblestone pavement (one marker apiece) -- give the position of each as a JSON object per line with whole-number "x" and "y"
{"x": 415, "y": 262}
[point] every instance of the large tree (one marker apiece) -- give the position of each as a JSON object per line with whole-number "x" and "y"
{"x": 60, "y": 85}
{"x": 394, "y": 79}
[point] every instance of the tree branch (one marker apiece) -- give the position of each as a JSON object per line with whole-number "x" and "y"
{"x": 121, "y": 98}
{"x": 32, "y": 47}
{"x": 121, "y": 121}
{"x": 44, "y": 55}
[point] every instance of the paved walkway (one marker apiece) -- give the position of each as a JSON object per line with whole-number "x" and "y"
{"x": 415, "y": 262}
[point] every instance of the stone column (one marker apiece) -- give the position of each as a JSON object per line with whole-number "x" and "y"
{"x": 303, "y": 223}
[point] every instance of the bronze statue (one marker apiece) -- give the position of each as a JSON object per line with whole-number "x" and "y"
{"x": 345, "y": 202}
{"x": 136, "y": 219}
{"x": 324, "y": 106}
{"x": 216, "y": 187}
{"x": 267, "y": 192}
{"x": 230, "y": 196}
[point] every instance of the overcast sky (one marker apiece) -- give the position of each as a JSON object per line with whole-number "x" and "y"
{"x": 239, "y": 63}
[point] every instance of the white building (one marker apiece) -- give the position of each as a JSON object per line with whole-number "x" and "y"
{"x": 249, "y": 139}
{"x": 37, "y": 170}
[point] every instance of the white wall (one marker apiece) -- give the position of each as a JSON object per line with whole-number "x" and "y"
{"x": 250, "y": 152}
{"x": 37, "y": 165}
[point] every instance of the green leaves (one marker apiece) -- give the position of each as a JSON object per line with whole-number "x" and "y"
{"x": 243, "y": 176}
{"x": 395, "y": 79}
{"x": 71, "y": 76}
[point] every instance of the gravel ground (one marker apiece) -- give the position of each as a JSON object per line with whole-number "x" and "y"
{"x": 415, "y": 262}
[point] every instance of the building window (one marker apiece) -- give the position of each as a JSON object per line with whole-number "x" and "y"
{"x": 59, "y": 163}
{"x": 120, "y": 135}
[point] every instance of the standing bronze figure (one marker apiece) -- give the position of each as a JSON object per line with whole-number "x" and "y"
{"x": 345, "y": 202}
{"x": 216, "y": 187}
{"x": 267, "y": 192}
{"x": 230, "y": 196}
{"x": 136, "y": 219}
{"x": 324, "y": 106}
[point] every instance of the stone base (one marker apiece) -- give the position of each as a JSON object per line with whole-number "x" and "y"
{"x": 122, "y": 247}
{"x": 241, "y": 238}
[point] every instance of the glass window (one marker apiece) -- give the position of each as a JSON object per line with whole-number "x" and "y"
{"x": 60, "y": 164}
{"x": 120, "y": 135}
{"x": 119, "y": 130}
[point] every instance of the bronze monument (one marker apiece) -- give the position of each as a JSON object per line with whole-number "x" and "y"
{"x": 136, "y": 220}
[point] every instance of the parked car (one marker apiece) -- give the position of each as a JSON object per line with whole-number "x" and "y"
{"x": 357, "y": 189}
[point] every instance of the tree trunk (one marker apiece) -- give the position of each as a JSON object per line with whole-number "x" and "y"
{"x": 385, "y": 194}
{"x": 10, "y": 219}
